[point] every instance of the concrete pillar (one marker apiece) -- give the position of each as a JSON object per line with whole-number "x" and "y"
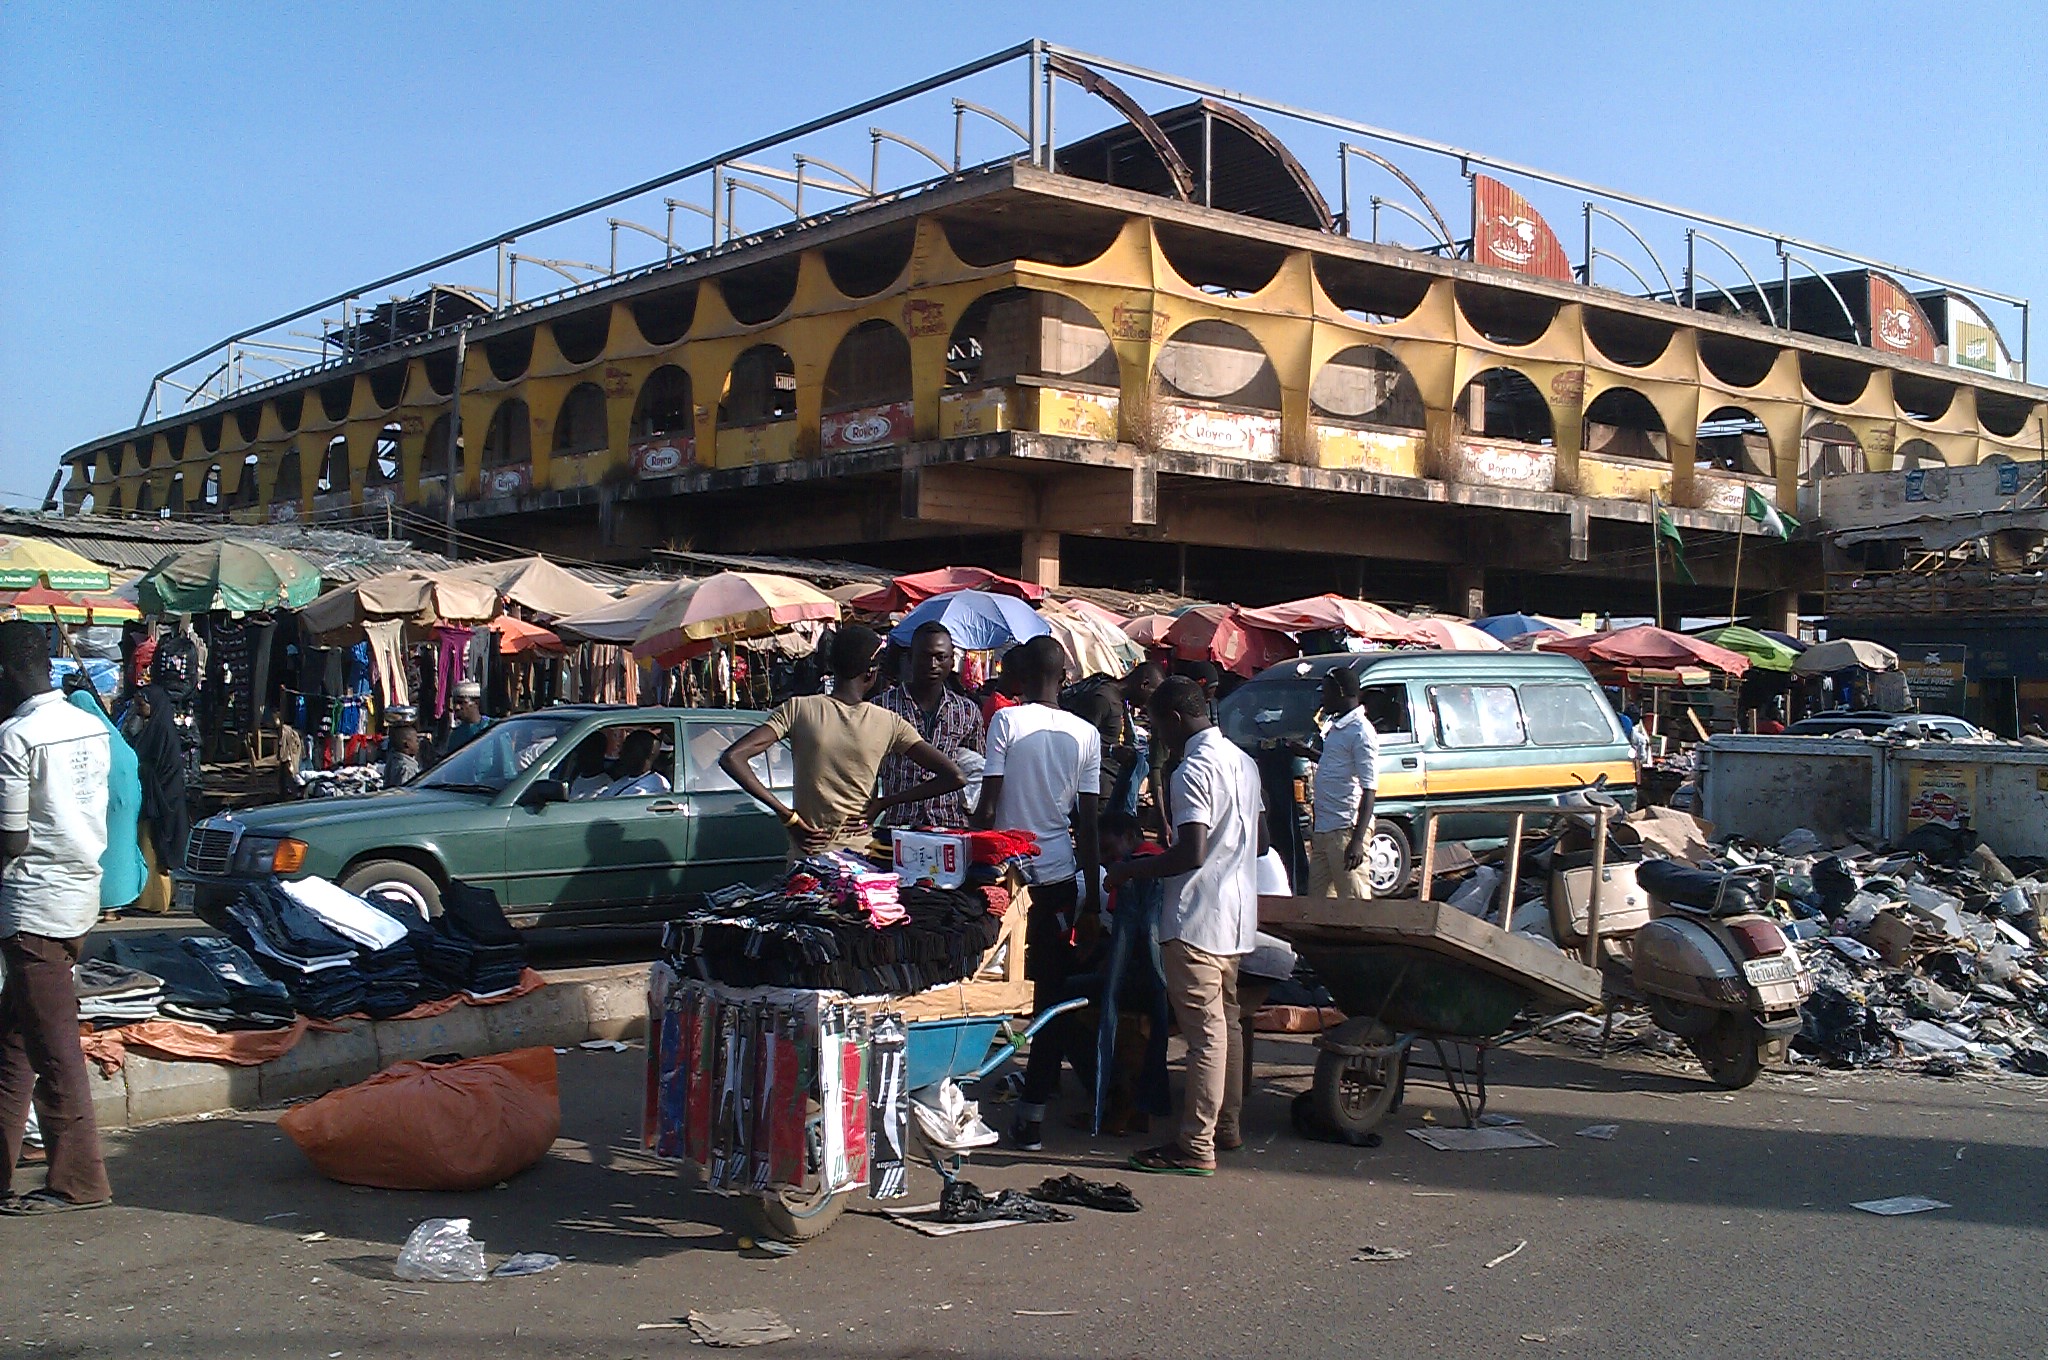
{"x": 1467, "y": 590}
{"x": 1042, "y": 558}
{"x": 1781, "y": 611}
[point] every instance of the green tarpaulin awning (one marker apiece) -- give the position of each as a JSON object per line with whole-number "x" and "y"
{"x": 1767, "y": 652}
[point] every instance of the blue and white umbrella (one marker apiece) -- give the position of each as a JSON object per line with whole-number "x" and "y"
{"x": 977, "y": 620}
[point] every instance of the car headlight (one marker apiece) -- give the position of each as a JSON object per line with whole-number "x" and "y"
{"x": 270, "y": 855}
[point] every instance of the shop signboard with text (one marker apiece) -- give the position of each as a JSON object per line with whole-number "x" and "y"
{"x": 1935, "y": 676}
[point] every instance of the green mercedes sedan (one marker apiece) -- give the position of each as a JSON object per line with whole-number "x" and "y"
{"x": 579, "y": 815}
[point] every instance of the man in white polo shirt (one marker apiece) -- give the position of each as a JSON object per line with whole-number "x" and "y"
{"x": 1209, "y": 922}
{"x": 54, "y": 761}
{"x": 1347, "y": 781}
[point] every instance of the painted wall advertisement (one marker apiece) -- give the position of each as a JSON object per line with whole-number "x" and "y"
{"x": 1896, "y": 321}
{"x": 1508, "y": 233}
{"x": 1934, "y": 676}
{"x": 1940, "y": 793}
{"x": 662, "y": 456}
{"x": 869, "y": 427}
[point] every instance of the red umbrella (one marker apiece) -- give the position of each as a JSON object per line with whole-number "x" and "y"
{"x": 1451, "y": 636}
{"x": 1359, "y": 617}
{"x": 1647, "y": 646}
{"x": 516, "y": 636}
{"x": 1218, "y": 633}
{"x": 907, "y": 592}
{"x": 1149, "y": 630}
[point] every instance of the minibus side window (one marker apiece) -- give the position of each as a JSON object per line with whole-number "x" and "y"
{"x": 1470, "y": 716}
{"x": 1566, "y": 715}
{"x": 1386, "y": 708}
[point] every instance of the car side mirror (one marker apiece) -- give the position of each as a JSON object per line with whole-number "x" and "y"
{"x": 541, "y": 792}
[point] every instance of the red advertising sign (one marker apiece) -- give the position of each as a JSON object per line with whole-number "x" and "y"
{"x": 866, "y": 428}
{"x": 1510, "y": 234}
{"x": 1896, "y": 322}
{"x": 662, "y": 456}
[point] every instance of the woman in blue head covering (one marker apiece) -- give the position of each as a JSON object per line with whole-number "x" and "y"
{"x": 122, "y": 873}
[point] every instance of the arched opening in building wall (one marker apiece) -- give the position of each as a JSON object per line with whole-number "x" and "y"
{"x": 1922, "y": 398}
{"x": 435, "y": 461}
{"x": 510, "y": 355}
{"x": 1829, "y": 449}
{"x": 1835, "y": 381}
{"x": 174, "y": 500}
{"x": 439, "y": 367}
{"x": 1074, "y": 236}
{"x": 1737, "y": 362}
{"x": 1368, "y": 385}
{"x": 249, "y": 419}
{"x": 2003, "y": 415}
{"x": 1501, "y": 403}
{"x": 1622, "y": 423}
{"x": 1220, "y": 362}
{"x": 870, "y": 367}
{"x": 581, "y": 337}
{"x": 209, "y": 432}
{"x": 387, "y": 384}
{"x": 665, "y": 317}
{"x": 385, "y": 457}
{"x": 508, "y": 442}
{"x": 1732, "y": 439}
{"x": 1917, "y": 453}
{"x": 1633, "y": 341}
{"x": 145, "y": 499}
{"x": 1506, "y": 317}
{"x": 85, "y": 503}
{"x": 1026, "y": 332}
{"x": 664, "y": 405}
{"x": 580, "y": 428}
{"x": 144, "y": 451}
{"x": 759, "y": 293}
{"x": 864, "y": 266}
{"x": 333, "y": 467}
{"x": 290, "y": 407}
{"x": 760, "y": 389}
{"x": 290, "y": 484}
{"x": 1371, "y": 293}
{"x": 336, "y": 397}
{"x": 1228, "y": 266}
{"x": 249, "y": 488}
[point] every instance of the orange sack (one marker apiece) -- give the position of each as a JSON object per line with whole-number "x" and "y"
{"x": 435, "y": 1126}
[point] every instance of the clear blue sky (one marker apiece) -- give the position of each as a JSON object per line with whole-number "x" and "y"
{"x": 171, "y": 173}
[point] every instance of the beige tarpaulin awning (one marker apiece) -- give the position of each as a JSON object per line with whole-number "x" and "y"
{"x": 413, "y": 596}
{"x": 533, "y": 583}
{"x": 623, "y": 620}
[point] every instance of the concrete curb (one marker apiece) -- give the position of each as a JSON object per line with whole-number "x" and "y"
{"x": 577, "y": 1004}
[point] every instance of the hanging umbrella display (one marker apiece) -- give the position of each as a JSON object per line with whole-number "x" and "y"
{"x": 906, "y": 592}
{"x": 978, "y": 621}
{"x": 730, "y": 606}
{"x": 26, "y": 562}
{"x": 1360, "y": 618}
{"x": 230, "y": 573}
{"x": 1093, "y": 646}
{"x": 517, "y": 637}
{"x": 1647, "y": 646}
{"x": 1768, "y": 653}
{"x": 1508, "y": 627}
{"x": 1218, "y": 633}
{"x": 1845, "y": 654}
{"x": 623, "y": 620}
{"x": 1149, "y": 630}
{"x": 1450, "y": 635}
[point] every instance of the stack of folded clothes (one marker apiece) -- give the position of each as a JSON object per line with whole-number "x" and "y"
{"x": 316, "y": 965}
{"x": 110, "y": 993}
{"x": 474, "y": 949}
{"x": 385, "y": 954}
{"x": 207, "y": 980}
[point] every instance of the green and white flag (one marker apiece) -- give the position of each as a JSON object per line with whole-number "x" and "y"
{"x": 1667, "y": 531}
{"x": 1767, "y": 515}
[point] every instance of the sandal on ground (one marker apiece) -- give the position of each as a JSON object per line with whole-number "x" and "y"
{"x": 1170, "y": 1160}
{"x": 1231, "y": 1142}
{"x": 47, "y": 1202}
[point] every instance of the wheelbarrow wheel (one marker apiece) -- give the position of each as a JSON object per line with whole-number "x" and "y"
{"x": 1353, "y": 1092}
{"x": 796, "y": 1215}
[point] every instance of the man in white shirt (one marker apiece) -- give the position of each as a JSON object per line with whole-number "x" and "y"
{"x": 636, "y": 777}
{"x": 1044, "y": 768}
{"x": 1210, "y": 920}
{"x": 1347, "y": 780}
{"x": 54, "y": 763}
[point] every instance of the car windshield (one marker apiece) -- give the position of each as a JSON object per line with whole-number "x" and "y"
{"x": 1271, "y": 710}
{"x": 497, "y": 757}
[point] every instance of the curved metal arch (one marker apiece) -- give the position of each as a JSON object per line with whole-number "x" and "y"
{"x": 963, "y": 107}
{"x": 882, "y": 134}
{"x": 1702, "y": 275}
{"x": 1834, "y": 292}
{"x": 1770, "y": 312}
{"x": 1593, "y": 209}
{"x": 1134, "y": 114}
{"x": 1409, "y": 213}
{"x": 1346, "y": 150}
{"x": 1610, "y": 255}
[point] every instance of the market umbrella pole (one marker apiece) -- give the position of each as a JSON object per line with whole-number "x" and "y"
{"x": 1657, "y": 559}
{"x": 1735, "y": 591}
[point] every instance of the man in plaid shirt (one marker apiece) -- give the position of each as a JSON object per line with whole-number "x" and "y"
{"x": 948, "y": 720}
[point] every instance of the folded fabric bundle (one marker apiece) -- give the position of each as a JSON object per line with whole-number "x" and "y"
{"x": 391, "y": 980}
{"x": 470, "y": 946}
{"x": 810, "y": 939}
{"x": 221, "y": 1017}
{"x": 346, "y": 914}
{"x": 186, "y": 980}
{"x": 278, "y": 928}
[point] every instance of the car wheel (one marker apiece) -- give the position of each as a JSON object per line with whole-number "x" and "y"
{"x": 1388, "y": 859}
{"x": 399, "y": 879}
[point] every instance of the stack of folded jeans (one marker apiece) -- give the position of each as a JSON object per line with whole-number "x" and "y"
{"x": 316, "y": 965}
{"x": 385, "y": 953}
{"x": 207, "y": 980}
{"x": 474, "y": 948}
{"x": 112, "y": 994}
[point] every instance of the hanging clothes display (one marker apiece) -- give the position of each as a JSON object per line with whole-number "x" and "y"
{"x": 387, "y": 655}
{"x": 451, "y": 649}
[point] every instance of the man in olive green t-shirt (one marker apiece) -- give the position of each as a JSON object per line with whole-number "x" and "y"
{"x": 839, "y": 741}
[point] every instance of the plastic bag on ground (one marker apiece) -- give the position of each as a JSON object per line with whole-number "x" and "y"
{"x": 950, "y": 1122}
{"x": 441, "y": 1250}
{"x": 525, "y": 1263}
{"x": 427, "y": 1126}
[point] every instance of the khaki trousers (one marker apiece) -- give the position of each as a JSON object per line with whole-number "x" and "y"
{"x": 1203, "y": 990}
{"x": 1327, "y": 876}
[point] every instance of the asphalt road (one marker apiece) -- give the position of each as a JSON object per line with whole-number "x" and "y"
{"x": 1710, "y": 1225}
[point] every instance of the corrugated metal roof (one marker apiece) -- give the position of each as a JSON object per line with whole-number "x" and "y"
{"x": 140, "y": 544}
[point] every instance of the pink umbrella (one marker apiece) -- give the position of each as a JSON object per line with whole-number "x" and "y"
{"x": 907, "y": 592}
{"x": 1648, "y": 646}
{"x": 1361, "y": 618}
{"x": 1149, "y": 630}
{"x": 1450, "y": 636}
{"x": 1218, "y": 633}
{"x": 1096, "y": 612}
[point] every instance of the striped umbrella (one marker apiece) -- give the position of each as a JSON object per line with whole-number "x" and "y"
{"x": 26, "y": 562}
{"x": 40, "y": 604}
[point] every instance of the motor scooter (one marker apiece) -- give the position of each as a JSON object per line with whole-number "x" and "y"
{"x": 1707, "y": 963}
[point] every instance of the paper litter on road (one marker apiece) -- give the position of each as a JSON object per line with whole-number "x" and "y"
{"x": 922, "y": 1218}
{"x": 1479, "y": 1140}
{"x": 1604, "y": 1132}
{"x": 1899, "y": 1204}
{"x": 1510, "y": 1254}
{"x": 1382, "y": 1254}
{"x": 740, "y": 1327}
{"x": 1498, "y": 1121}
{"x": 604, "y": 1045}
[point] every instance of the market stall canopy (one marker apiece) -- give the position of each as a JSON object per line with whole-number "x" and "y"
{"x": 517, "y": 637}
{"x": 1218, "y": 633}
{"x": 906, "y": 592}
{"x": 1090, "y": 609}
{"x": 1361, "y": 618}
{"x": 1095, "y": 647}
{"x": 1845, "y": 654}
{"x": 417, "y": 597}
{"x": 1149, "y": 630}
{"x": 1450, "y": 635}
{"x": 1796, "y": 644}
{"x": 852, "y": 591}
{"x": 732, "y": 605}
{"x": 1768, "y": 653}
{"x": 26, "y": 562}
{"x": 40, "y": 604}
{"x": 536, "y": 584}
{"x": 1508, "y": 627}
{"x": 231, "y": 574}
{"x": 1649, "y": 646}
{"x": 622, "y": 621}
{"x": 977, "y": 620}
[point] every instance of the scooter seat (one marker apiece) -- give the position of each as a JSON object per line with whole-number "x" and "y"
{"x": 1698, "y": 891}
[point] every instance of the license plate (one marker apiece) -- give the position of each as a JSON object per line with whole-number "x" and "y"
{"x": 184, "y": 896}
{"x": 1763, "y": 972}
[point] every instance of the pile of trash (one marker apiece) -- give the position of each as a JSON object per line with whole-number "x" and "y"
{"x": 1927, "y": 957}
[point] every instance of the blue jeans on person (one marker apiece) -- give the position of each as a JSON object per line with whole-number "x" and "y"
{"x": 1132, "y": 784}
{"x": 1132, "y": 974}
